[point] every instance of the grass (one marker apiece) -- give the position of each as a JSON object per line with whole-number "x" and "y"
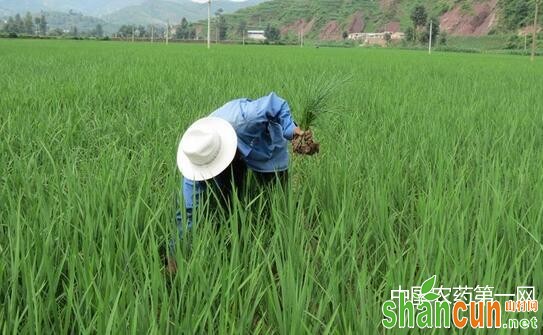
{"x": 433, "y": 166}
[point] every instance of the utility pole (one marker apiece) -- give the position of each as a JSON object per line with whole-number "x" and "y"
{"x": 430, "y": 42}
{"x": 534, "y": 35}
{"x": 132, "y": 33}
{"x": 152, "y": 33}
{"x": 209, "y": 24}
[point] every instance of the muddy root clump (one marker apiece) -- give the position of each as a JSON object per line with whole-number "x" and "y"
{"x": 305, "y": 144}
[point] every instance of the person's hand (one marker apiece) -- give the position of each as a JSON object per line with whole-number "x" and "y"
{"x": 298, "y": 131}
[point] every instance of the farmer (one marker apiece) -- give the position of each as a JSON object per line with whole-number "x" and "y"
{"x": 242, "y": 135}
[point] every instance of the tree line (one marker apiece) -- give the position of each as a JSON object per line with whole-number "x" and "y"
{"x": 186, "y": 30}
{"x": 28, "y": 25}
{"x": 39, "y": 26}
{"x": 182, "y": 31}
{"x": 517, "y": 14}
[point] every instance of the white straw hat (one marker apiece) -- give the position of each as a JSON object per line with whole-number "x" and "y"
{"x": 206, "y": 149}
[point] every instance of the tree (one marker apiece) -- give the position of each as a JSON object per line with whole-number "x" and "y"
{"x": 29, "y": 24}
{"x": 74, "y": 32}
{"x": 534, "y": 34}
{"x": 125, "y": 30}
{"x": 388, "y": 38}
{"x": 272, "y": 34}
{"x": 99, "y": 31}
{"x": 56, "y": 32}
{"x": 19, "y": 24}
{"x": 242, "y": 27}
{"x": 222, "y": 28}
{"x": 410, "y": 34}
{"x": 157, "y": 30}
{"x": 43, "y": 25}
{"x": 140, "y": 31}
{"x": 9, "y": 27}
{"x": 419, "y": 17}
{"x": 37, "y": 22}
{"x": 516, "y": 14}
{"x": 425, "y": 37}
{"x": 182, "y": 31}
{"x": 442, "y": 38}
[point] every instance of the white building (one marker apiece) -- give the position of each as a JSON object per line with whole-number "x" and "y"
{"x": 376, "y": 38}
{"x": 364, "y": 36}
{"x": 256, "y": 35}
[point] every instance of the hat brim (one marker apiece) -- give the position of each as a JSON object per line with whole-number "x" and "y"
{"x": 229, "y": 143}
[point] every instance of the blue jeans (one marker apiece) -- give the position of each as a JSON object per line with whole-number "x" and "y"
{"x": 235, "y": 176}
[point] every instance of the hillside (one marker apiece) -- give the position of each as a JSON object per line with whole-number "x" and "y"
{"x": 329, "y": 19}
{"x": 159, "y": 12}
{"x": 118, "y": 12}
{"x": 111, "y": 14}
{"x": 318, "y": 19}
{"x": 60, "y": 22}
{"x": 91, "y": 8}
{"x": 65, "y": 21}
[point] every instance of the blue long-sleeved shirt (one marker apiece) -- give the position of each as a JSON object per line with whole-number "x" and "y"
{"x": 263, "y": 128}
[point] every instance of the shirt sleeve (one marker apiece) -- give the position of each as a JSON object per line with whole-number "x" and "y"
{"x": 274, "y": 108}
{"x": 192, "y": 191}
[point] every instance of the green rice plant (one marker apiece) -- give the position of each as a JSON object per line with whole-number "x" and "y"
{"x": 425, "y": 173}
{"x": 316, "y": 100}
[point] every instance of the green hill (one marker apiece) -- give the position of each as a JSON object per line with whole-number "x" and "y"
{"x": 329, "y": 19}
{"x": 87, "y": 7}
{"x": 159, "y": 12}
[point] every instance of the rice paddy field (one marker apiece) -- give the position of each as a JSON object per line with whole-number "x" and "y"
{"x": 429, "y": 165}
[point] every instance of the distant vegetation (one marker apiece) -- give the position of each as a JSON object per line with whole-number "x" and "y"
{"x": 375, "y": 15}
{"x": 53, "y": 24}
{"x": 517, "y": 14}
{"x": 66, "y": 21}
{"x": 283, "y": 19}
{"x": 158, "y": 12}
{"x": 25, "y": 25}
